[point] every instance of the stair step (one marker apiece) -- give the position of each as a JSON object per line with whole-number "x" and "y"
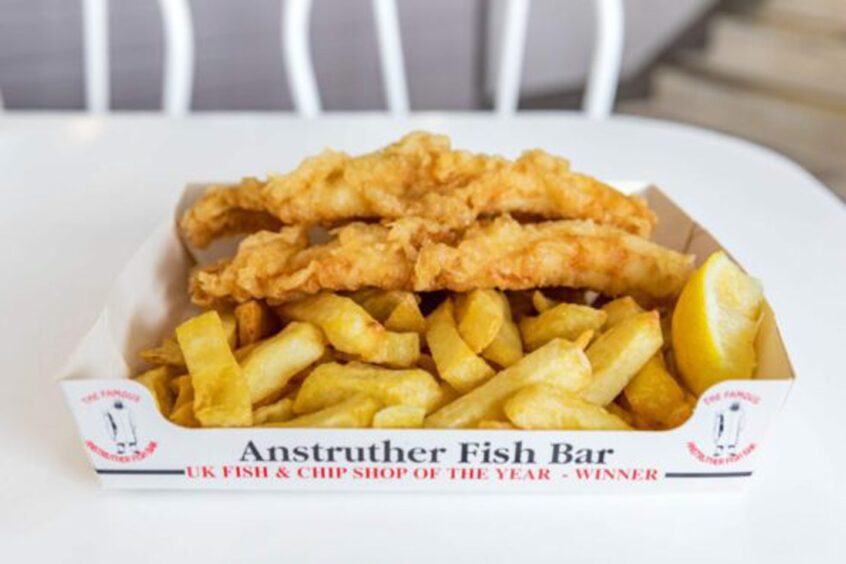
{"x": 791, "y": 15}
{"x": 807, "y": 64}
{"x": 812, "y": 136}
{"x": 832, "y": 11}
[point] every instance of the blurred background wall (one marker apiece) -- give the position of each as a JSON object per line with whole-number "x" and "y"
{"x": 773, "y": 71}
{"x": 450, "y": 50}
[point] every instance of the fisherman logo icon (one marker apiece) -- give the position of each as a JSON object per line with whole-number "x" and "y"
{"x": 122, "y": 443}
{"x": 728, "y": 424}
{"x": 726, "y": 441}
{"x": 121, "y": 427}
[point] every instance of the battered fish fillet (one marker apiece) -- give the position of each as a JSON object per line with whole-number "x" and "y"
{"x": 508, "y": 255}
{"x": 422, "y": 176}
{"x": 282, "y": 266}
{"x": 420, "y": 255}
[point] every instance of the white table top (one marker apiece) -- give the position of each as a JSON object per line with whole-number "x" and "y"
{"x": 79, "y": 194}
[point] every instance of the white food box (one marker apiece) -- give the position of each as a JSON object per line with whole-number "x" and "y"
{"x": 132, "y": 446}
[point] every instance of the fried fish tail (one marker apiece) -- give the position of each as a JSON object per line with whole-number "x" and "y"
{"x": 508, "y": 255}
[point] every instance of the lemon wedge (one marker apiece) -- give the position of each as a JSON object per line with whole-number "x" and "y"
{"x": 715, "y": 323}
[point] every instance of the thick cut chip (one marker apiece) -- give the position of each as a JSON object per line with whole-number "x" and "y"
{"x": 479, "y": 316}
{"x": 507, "y": 346}
{"x": 541, "y": 302}
{"x": 564, "y": 321}
{"x": 243, "y": 352}
{"x": 271, "y": 364}
{"x": 654, "y": 395}
{"x": 184, "y": 416}
{"x": 618, "y": 410}
{"x": 354, "y": 412}
{"x": 619, "y": 310}
{"x": 182, "y": 412}
{"x": 406, "y": 317}
{"x": 381, "y": 303}
{"x": 546, "y": 407}
{"x": 346, "y": 324}
{"x": 230, "y": 328}
{"x": 255, "y": 321}
{"x": 350, "y": 329}
{"x": 183, "y": 391}
{"x": 448, "y": 395}
{"x": 221, "y": 393}
{"x": 583, "y": 340}
{"x": 278, "y": 412}
{"x": 557, "y": 363}
{"x": 167, "y": 354}
{"x": 364, "y": 294}
{"x": 679, "y": 416}
{"x": 399, "y": 417}
{"x": 332, "y": 383}
{"x": 157, "y": 381}
{"x": 456, "y": 362}
{"x": 618, "y": 354}
{"x": 396, "y": 349}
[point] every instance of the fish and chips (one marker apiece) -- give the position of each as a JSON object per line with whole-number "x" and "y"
{"x": 445, "y": 289}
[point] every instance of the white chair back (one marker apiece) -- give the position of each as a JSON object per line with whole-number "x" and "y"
{"x": 600, "y": 92}
{"x": 598, "y": 100}
{"x": 604, "y": 73}
{"x": 178, "y": 58}
{"x": 296, "y": 51}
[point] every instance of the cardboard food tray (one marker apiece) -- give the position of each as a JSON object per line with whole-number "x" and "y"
{"x": 131, "y": 445}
